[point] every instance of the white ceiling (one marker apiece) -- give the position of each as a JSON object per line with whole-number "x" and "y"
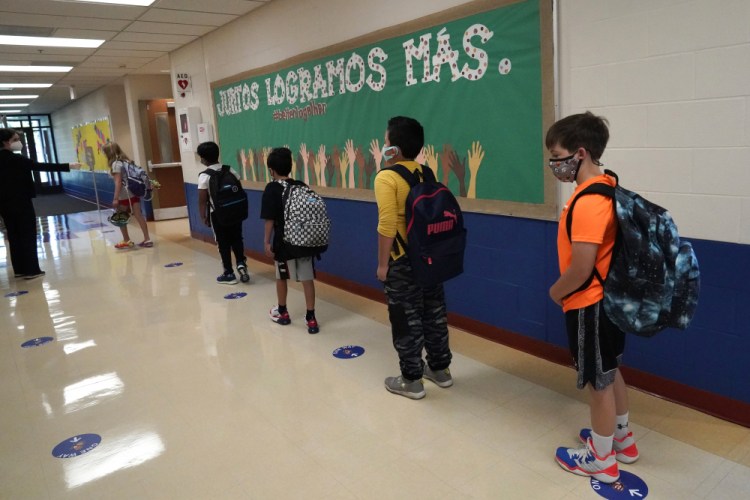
{"x": 138, "y": 41}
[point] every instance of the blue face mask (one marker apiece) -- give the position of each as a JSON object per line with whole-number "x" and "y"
{"x": 388, "y": 157}
{"x": 565, "y": 169}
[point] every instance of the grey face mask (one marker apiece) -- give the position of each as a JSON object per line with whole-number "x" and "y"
{"x": 565, "y": 169}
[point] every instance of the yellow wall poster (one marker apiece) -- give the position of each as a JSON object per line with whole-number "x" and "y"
{"x": 89, "y": 138}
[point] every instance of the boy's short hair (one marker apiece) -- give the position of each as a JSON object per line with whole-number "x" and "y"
{"x": 209, "y": 151}
{"x": 584, "y": 130}
{"x": 406, "y": 133}
{"x": 280, "y": 161}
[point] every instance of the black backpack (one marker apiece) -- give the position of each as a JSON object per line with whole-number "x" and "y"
{"x": 653, "y": 280}
{"x": 434, "y": 228}
{"x": 307, "y": 226}
{"x": 227, "y": 196}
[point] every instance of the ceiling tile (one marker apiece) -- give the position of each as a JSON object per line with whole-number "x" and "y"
{"x": 170, "y": 29}
{"x": 67, "y": 9}
{"x": 236, "y": 7}
{"x": 85, "y": 33}
{"x": 165, "y": 47}
{"x": 61, "y": 21}
{"x": 186, "y": 17}
{"x": 39, "y": 59}
{"x": 115, "y": 62}
{"x": 130, "y": 53}
{"x": 56, "y": 51}
{"x": 138, "y": 40}
{"x": 154, "y": 37}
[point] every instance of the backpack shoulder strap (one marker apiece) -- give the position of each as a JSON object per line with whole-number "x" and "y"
{"x": 427, "y": 174}
{"x": 410, "y": 178}
{"x": 597, "y": 188}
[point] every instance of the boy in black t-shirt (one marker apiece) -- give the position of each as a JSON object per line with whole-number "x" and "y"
{"x": 301, "y": 269}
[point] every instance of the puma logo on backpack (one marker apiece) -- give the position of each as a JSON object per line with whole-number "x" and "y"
{"x": 653, "y": 281}
{"x": 227, "y": 196}
{"x": 435, "y": 233}
{"x": 306, "y": 223}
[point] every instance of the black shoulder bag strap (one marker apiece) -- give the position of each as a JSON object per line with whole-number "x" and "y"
{"x": 597, "y": 188}
{"x": 411, "y": 178}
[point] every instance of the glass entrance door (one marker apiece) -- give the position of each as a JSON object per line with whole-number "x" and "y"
{"x": 37, "y": 146}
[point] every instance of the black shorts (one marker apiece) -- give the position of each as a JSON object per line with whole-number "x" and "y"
{"x": 596, "y": 345}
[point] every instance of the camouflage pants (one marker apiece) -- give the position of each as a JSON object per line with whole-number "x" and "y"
{"x": 418, "y": 321}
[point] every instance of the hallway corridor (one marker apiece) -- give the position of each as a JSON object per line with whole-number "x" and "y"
{"x": 196, "y": 396}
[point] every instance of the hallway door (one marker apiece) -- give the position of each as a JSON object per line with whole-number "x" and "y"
{"x": 36, "y": 147}
{"x": 163, "y": 152}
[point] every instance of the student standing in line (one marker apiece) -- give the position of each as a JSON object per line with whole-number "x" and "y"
{"x": 228, "y": 234}
{"x": 16, "y": 207}
{"x": 287, "y": 267}
{"x": 122, "y": 199}
{"x": 417, "y": 314}
{"x": 576, "y": 143}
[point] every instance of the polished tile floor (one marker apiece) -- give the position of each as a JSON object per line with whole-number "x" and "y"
{"x": 195, "y": 396}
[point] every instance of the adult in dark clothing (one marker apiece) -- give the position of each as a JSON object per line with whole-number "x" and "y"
{"x": 16, "y": 208}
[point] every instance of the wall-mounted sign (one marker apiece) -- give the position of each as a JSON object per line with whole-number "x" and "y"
{"x": 184, "y": 84}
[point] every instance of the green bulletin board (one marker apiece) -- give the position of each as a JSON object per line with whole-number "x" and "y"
{"x": 476, "y": 77}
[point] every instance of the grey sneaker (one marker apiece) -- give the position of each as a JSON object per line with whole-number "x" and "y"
{"x": 412, "y": 389}
{"x": 442, "y": 378}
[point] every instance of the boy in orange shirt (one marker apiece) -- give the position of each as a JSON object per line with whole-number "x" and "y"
{"x": 576, "y": 143}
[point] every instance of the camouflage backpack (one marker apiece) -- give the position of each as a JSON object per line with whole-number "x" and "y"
{"x": 653, "y": 281}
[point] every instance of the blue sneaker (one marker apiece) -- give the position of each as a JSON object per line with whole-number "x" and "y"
{"x": 228, "y": 278}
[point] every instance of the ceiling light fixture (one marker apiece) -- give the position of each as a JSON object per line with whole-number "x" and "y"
{"x": 139, "y": 3}
{"x": 17, "y": 105}
{"x": 3, "y": 97}
{"x": 11, "y": 86}
{"x": 49, "y": 41}
{"x": 6, "y": 111}
{"x": 34, "y": 69}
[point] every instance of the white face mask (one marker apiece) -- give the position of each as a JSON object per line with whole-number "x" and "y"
{"x": 16, "y": 146}
{"x": 386, "y": 156}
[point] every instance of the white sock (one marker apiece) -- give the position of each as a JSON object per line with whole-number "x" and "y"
{"x": 621, "y": 429}
{"x": 602, "y": 444}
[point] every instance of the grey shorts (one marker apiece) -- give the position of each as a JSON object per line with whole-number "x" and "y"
{"x": 301, "y": 269}
{"x": 596, "y": 345}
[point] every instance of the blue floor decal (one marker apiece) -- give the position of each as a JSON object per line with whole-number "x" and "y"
{"x": 37, "y": 342}
{"x": 349, "y": 352}
{"x": 629, "y": 486}
{"x": 77, "y": 445}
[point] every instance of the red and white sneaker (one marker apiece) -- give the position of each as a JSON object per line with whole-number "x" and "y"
{"x": 312, "y": 326}
{"x": 277, "y": 317}
{"x": 625, "y": 449}
{"x": 585, "y": 461}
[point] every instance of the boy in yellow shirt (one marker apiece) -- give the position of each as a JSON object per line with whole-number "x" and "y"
{"x": 417, "y": 314}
